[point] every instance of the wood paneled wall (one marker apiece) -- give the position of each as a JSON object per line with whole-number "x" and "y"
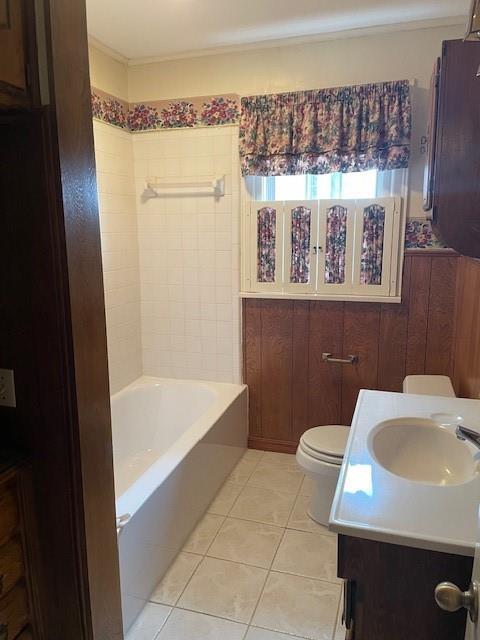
{"x": 292, "y": 389}
{"x": 467, "y": 347}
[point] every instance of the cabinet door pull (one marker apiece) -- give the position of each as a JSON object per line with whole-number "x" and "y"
{"x": 351, "y": 359}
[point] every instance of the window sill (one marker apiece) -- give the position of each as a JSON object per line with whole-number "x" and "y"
{"x": 320, "y": 296}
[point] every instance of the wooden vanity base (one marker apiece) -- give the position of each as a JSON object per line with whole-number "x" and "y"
{"x": 393, "y": 590}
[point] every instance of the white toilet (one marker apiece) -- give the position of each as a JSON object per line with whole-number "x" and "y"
{"x": 321, "y": 449}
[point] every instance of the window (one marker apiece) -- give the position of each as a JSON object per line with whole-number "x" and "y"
{"x": 330, "y": 248}
{"x": 360, "y": 184}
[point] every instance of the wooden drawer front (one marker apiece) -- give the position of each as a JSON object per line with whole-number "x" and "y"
{"x": 14, "y": 612}
{"x": 11, "y": 565}
{"x": 8, "y": 511}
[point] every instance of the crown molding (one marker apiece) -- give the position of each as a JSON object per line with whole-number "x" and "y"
{"x": 96, "y": 44}
{"x": 299, "y": 40}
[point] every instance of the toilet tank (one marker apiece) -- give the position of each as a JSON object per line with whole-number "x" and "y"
{"x": 429, "y": 386}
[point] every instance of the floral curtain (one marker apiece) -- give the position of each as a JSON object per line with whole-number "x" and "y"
{"x": 344, "y": 129}
{"x": 300, "y": 258}
{"x": 372, "y": 246}
{"x": 266, "y": 236}
{"x": 336, "y": 247}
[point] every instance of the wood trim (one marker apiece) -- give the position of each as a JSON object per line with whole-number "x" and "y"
{"x": 73, "y": 155}
{"x": 52, "y": 333}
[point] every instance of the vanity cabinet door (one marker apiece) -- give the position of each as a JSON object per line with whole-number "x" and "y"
{"x": 393, "y": 589}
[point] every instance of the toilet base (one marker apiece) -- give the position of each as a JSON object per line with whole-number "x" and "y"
{"x": 321, "y": 501}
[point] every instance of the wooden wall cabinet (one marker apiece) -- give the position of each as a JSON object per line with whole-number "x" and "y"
{"x": 18, "y": 65}
{"x": 392, "y": 590}
{"x": 456, "y": 175}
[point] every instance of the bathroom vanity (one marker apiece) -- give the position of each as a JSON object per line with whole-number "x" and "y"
{"x": 406, "y": 510}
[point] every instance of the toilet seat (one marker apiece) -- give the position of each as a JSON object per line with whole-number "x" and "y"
{"x": 326, "y": 444}
{"x": 322, "y": 457}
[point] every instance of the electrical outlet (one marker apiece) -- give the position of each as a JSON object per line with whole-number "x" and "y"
{"x": 7, "y": 388}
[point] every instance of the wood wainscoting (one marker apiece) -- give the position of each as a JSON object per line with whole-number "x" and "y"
{"x": 467, "y": 344}
{"x": 291, "y": 389}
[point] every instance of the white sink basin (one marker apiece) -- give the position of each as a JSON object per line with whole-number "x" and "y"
{"x": 423, "y": 451}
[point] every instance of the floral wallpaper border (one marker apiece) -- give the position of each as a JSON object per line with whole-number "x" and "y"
{"x": 209, "y": 111}
{"x": 201, "y": 111}
{"x": 419, "y": 235}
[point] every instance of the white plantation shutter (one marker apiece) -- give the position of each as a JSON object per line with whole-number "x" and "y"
{"x": 334, "y": 249}
{"x": 300, "y": 238}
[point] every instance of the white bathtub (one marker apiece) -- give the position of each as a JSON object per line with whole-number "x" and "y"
{"x": 174, "y": 444}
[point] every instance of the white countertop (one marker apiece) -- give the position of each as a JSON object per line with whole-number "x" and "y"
{"x": 372, "y": 503}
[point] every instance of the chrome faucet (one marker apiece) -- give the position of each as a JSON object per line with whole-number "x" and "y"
{"x": 464, "y": 433}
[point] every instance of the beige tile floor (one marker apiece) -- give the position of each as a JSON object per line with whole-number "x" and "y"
{"x": 255, "y": 568}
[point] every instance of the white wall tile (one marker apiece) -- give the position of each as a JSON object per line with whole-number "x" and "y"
{"x": 118, "y": 224}
{"x": 171, "y": 265}
{"x": 186, "y": 245}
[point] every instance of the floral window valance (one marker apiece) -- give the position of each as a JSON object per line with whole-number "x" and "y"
{"x": 344, "y": 129}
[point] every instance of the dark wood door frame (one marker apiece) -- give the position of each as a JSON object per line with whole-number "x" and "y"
{"x": 70, "y": 93}
{"x": 52, "y": 333}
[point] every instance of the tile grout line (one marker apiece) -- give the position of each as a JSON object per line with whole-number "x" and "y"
{"x": 269, "y": 570}
{"x": 265, "y": 582}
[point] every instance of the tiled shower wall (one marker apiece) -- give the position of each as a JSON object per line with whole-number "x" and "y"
{"x": 189, "y": 256}
{"x": 118, "y": 225}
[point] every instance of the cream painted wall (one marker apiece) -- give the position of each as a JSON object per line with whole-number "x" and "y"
{"x": 330, "y": 63}
{"x": 389, "y": 56}
{"x": 108, "y": 74}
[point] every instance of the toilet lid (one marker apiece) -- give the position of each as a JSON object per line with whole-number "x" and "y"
{"x": 328, "y": 441}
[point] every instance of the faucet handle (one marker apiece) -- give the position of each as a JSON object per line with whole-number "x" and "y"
{"x": 465, "y": 433}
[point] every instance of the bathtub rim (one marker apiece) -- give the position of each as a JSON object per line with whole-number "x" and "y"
{"x": 133, "y": 498}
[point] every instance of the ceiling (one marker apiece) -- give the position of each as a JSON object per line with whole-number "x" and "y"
{"x": 175, "y": 28}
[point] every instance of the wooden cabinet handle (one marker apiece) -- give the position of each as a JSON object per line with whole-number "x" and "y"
{"x": 3, "y": 632}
